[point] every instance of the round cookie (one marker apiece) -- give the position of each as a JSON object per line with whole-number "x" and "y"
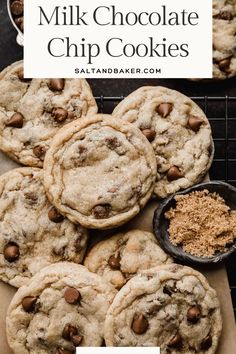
{"x": 32, "y": 111}
{"x": 179, "y": 132}
{"x": 32, "y": 233}
{"x": 99, "y": 171}
{"x": 171, "y": 306}
{"x": 63, "y": 307}
{"x": 125, "y": 254}
{"x": 224, "y": 39}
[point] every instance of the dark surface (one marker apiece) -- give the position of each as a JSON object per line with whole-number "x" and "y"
{"x": 161, "y": 224}
{"x": 222, "y": 114}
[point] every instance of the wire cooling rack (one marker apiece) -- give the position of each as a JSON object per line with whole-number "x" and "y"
{"x": 221, "y": 112}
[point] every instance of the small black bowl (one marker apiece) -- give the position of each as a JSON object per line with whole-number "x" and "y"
{"x": 161, "y": 224}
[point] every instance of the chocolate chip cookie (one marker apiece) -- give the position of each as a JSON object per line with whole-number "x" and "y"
{"x": 63, "y": 307}
{"x": 99, "y": 171}
{"x": 32, "y": 111}
{"x": 123, "y": 255}
{"x": 224, "y": 39}
{"x": 171, "y": 306}
{"x": 33, "y": 234}
{"x": 179, "y": 132}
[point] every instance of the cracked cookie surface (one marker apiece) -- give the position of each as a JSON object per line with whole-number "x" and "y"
{"x": 125, "y": 254}
{"x": 179, "y": 132}
{"x": 99, "y": 171}
{"x": 170, "y": 306}
{"x": 32, "y": 111}
{"x": 32, "y": 233}
{"x": 224, "y": 39}
{"x": 62, "y": 307}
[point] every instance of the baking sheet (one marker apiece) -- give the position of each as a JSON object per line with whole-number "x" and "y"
{"x": 217, "y": 277}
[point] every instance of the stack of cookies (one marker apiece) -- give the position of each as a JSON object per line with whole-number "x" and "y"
{"x": 83, "y": 171}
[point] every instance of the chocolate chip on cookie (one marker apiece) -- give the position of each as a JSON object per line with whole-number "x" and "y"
{"x": 76, "y": 340}
{"x": 149, "y": 133}
{"x": 174, "y": 173}
{"x": 56, "y": 84}
{"x": 16, "y": 120}
{"x": 176, "y": 341}
{"x": 11, "y": 252}
{"x": 39, "y": 151}
{"x": 55, "y": 216}
{"x": 195, "y": 123}
{"x": 112, "y": 142}
{"x": 225, "y": 64}
{"x": 20, "y": 74}
{"x": 19, "y": 21}
{"x": 206, "y": 342}
{"x": 72, "y": 296}
{"x": 101, "y": 211}
{"x": 28, "y": 303}
{"x": 17, "y": 8}
{"x": 59, "y": 114}
{"x": 164, "y": 109}
{"x": 69, "y": 331}
{"x": 139, "y": 324}
{"x": 65, "y": 351}
{"x": 114, "y": 261}
{"x": 31, "y": 198}
{"x": 71, "y": 115}
{"x": 226, "y": 15}
{"x": 194, "y": 314}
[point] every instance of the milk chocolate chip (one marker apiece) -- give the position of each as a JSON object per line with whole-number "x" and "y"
{"x": 11, "y": 252}
{"x": 55, "y": 216}
{"x": 206, "y": 342}
{"x": 149, "y": 133}
{"x": 28, "y": 303}
{"x": 39, "y": 151}
{"x": 19, "y": 21}
{"x": 65, "y": 351}
{"x": 72, "y": 296}
{"x": 226, "y": 15}
{"x": 76, "y": 340}
{"x": 17, "y": 8}
{"x": 114, "y": 262}
{"x": 71, "y": 115}
{"x": 16, "y": 120}
{"x": 164, "y": 109}
{"x": 139, "y": 324}
{"x": 174, "y": 173}
{"x": 56, "y": 84}
{"x": 176, "y": 341}
{"x": 101, "y": 211}
{"x": 20, "y": 73}
{"x": 194, "y": 314}
{"x": 195, "y": 123}
{"x": 69, "y": 331}
{"x": 225, "y": 64}
{"x": 112, "y": 142}
{"x": 59, "y": 114}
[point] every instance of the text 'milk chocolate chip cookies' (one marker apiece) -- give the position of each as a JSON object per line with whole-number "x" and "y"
{"x": 179, "y": 132}
{"x": 32, "y": 232}
{"x": 99, "y": 171}
{"x": 63, "y": 307}
{"x": 171, "y": 306}
{"x": 224, "y": 39}
{"x": 32, "y": 111}
{"x": 125, "y": 254}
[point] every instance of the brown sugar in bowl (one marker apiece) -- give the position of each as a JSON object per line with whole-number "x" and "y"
{"x": 161, "y": 224}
